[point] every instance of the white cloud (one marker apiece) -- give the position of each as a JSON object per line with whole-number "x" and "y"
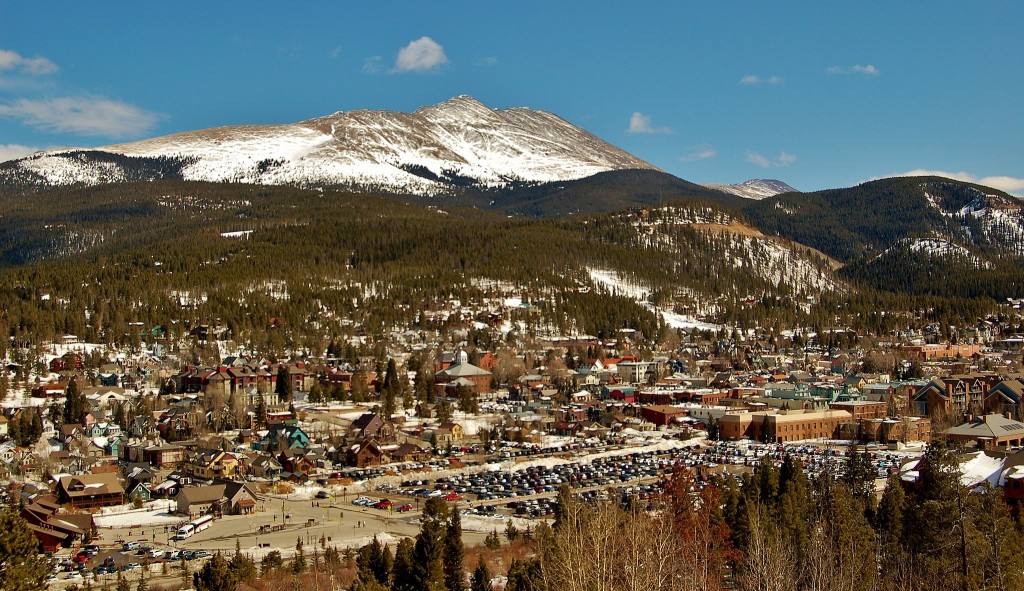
{"x": 487, "y": 61}
{"x": 759, "y": 159}
{"x": 334, "y": 53}
{"x": 372, "y": 65}
{"x": 868, "y": 70}
{"x": 1009, "y": 184}
{"x": 15, "y": 151}
{"x": 752, "y": 80}
{"x": 11, "y": 60}
{"x": 783, "y": 159}
{"x": 640, "y": 123}
{"x": 421, "y": 55}
{"x": 699, "y": 152}
{"x": 89, "y": 115}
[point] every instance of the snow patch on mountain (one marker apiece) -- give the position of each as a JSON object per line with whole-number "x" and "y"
{"x": 755, "y": 188}
{"x": 617, "y": 284}
{"x": 778, "y": 262}
{"x": 939, "y": 248}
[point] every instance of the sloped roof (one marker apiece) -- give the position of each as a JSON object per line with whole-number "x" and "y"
{"x": 992, "y": 426}
{"x": 91, "y": 484}
{"x": 202, "y": 494}
{"x": 463, "y": 370}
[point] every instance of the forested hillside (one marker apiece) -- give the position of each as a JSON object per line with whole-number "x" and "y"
{"x": 282, "y": 268}
{"x": 921, "y": 235}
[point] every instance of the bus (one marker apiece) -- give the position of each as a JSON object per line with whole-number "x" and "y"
{"x": 195, "y": 526}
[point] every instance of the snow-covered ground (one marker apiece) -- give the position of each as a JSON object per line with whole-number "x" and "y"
{"x": 616, "y": 284}
{"x": 152, "y": 513}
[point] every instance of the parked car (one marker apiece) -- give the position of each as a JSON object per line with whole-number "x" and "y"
{"x": 405, "y": 508}
{"x": 384, "y": 504}
{"x": 323, "y": 494}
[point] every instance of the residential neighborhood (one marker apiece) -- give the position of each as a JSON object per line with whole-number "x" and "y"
{"x": 254, "y": 439}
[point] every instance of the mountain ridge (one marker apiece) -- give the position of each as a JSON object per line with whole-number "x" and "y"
{"x": 755, "y": 188}
{"x": 455, "y": 143}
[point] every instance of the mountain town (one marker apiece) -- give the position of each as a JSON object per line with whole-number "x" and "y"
{"x": 140, "y": 465}
{"x": 236, "y": 360}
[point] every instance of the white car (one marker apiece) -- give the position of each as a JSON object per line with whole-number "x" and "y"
{"x": 363, "y": 501}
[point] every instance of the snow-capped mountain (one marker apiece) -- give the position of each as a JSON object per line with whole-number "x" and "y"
{"x": 459, "y": 142}
{"x": 755, "y": 188}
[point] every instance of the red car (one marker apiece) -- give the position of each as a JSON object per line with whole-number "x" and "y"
{"x": 81, "y": 557}
{"x": 384, "y": 504}
{"x": 405, "y": 507}
{"x": 453, "y": 496}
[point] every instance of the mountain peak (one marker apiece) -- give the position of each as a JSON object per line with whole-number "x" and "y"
{"x": 457, "y": 143}
{"x": 755, "y": 188}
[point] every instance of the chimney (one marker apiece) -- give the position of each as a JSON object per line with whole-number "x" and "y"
{"x": 1007, "y": 415}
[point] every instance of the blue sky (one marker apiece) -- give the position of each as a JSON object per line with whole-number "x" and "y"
{"x": 817, "y": 94}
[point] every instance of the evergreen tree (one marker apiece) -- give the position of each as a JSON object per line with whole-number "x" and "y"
{"x": 390, "y": 390}
{"x": 511, "y": 531}
{"x": 402, "y": 570}
{"x": 374, "y": 562}
{"x": 524, "y": 575}
{"x": 242, "y": 565}
{"x": 859, "y": 476}
{"x": 21, "y": 566}
{"x": 75, "y": 404}
{"x": 284, "y": 383}
{"x": 143, "y": 582}
{"x": 271, "y": 561}
{"x": 216, "y": 575}
{"x": 481, "y": 578}
{"x": 454, "y": 553}
{"x": 428, "y": 569}
{"x": 122, "y": 583}
{"x": 299, "y": 562}
{"x": 261, "y": 411}
{"x": 565, "y": 500}
{"x": 443, "y": 411}
{"x": 493, "y": 541}
{"x": 359, "y": 389}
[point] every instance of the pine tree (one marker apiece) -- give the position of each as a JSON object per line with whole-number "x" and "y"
{"x": 271, "y": 561}
{"x": 428, "y": 569}
{"x": 242, "y": 565}
{"x": 284, "y": 383}
{"x": 21, "y": 566}
{"x": 216, "y": 575}
{"x": 374, "y": 561}
{"x": 389, "y": 390}
{"x": 402, "y": 577}
{"x": 481, "y": 578}
{"x": 122, "y": 583}
{"x": 454, "y": 553}
{"x": 525, "y": 575}
{"x": 75, "y": 404}
{"x": 299, "y": 562}
{"x": 493, "y": 541}
{"x": 261, "y": 411}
